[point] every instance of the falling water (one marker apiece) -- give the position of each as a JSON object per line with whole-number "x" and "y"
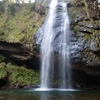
{"x": 46, "y": 46}
{"x": 66, "y": 73}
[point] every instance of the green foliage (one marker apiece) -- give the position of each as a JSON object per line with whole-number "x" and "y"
{"x": 73, "y": 11}
{"x": 18, "y": 74}
{"x": 2, "y": 65}
{"x": 2, "y": 58}
{"x": 12, "y": 9}
{"x": 22, "y": 75}
{"x": 20, "y": 23}
{"x": 1, "y": 6}
{"x": 3, "y": 72}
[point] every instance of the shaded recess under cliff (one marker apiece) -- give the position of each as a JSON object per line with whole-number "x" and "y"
{"x": 18, "y": 24}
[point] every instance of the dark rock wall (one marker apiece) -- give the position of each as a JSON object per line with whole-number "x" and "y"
{"x": 85, "y": 23}
{"x": 85, "y": 41}
{"x": 94, "y": 10}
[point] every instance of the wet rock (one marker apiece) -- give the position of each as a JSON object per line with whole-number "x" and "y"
{"x": 92, "y": 46}
{"x": 85, "y": 30}
{"x": 36, "y": 86}
{"x": 16, "y": 86}
{"x": 32, "y": 86}
{"x": 80, "y": 34}
{"x": 69, "y": 4}
{"x": 16, "y": 50}
{"x": 97, "y": 27}
{"x": 73, "y": 39}
{"x": 20, "y": 53}
{"x": 79, "y": 3}
{"x": 90, "y": 26}
{"x": 78, "y": 19}
{"x": 99, "y": 36}
{"x": 28, "y": 86}
{"x": 97, "y": 52}
{"x": 86, "y": 19}
{"x": 93, "y": 9}
{"x": 86, "y": 24}
{"x": 57, "y": 29}
{"x": 85, "y": 42}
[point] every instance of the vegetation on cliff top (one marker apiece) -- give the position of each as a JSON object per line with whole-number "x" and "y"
{"x": 18, "y": 22}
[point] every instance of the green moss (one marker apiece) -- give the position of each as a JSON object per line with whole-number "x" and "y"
{"x": 86, "y": 8}
{"x": 20, "y": 24}
{"x": 18, "y": 74}
{"x": 3, "y": 72}
{"x": 22, "y": 75}
{"x": 2, "y": 58}
{"x": 73, "y": 12}
{"x": 72, "y": 1}
{"x": 85, "y": 22}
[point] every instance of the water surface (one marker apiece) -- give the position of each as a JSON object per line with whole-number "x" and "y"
{"x": 31, "y": 94}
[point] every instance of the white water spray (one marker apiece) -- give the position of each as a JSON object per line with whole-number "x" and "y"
{"x": 46, "y": 46}
{"x": 66, "y": 73}
{"x": 47, "y": 49}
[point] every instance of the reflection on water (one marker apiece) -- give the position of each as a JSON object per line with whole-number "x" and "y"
{"x": 24, "y": 94}
{"x": 43, "y": 96}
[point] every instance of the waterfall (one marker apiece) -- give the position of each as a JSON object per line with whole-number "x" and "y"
{"x": 66, "y": 73}
{"x": 46, "y": 46}
{"x": 55, "y": 29}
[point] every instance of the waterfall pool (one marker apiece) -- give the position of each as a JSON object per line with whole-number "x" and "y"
{"x": 32, "y": 94}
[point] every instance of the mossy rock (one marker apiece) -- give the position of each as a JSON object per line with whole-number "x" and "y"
{"x": 2, "y": 58}
{"x": 14, "y": 74}
{"x": 19, "y": 25}
{"x": 22, "y": 75}
{"x": 3, "y": 72}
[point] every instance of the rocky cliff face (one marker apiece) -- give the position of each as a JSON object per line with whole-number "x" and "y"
{"x": 17, "y": 27}
{"x": 85, "y": 41}
{"x": 85, "y": 23}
